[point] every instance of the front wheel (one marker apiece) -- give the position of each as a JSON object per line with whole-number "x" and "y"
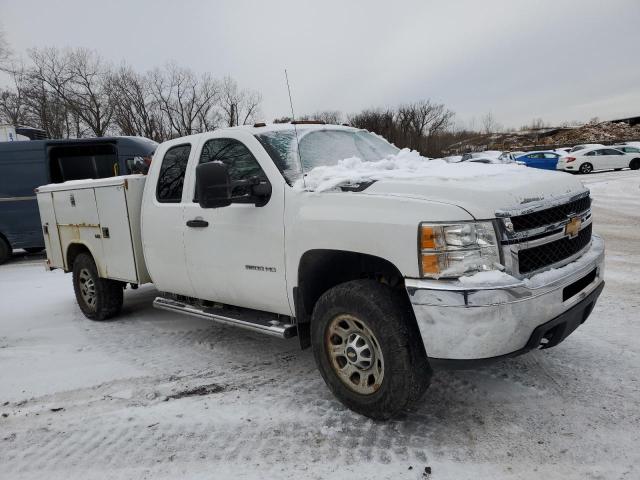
{"x": 635, "y": 164}
{"x": 98, "y": 298}
{"x": 368, "y": 348}
{"x": 586, "y": 168}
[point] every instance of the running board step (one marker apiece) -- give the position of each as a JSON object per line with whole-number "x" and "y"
{"x": 249, "y": 319}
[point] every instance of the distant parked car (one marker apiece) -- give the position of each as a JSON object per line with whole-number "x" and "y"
{"x": 488, "y": 156}
{"x": 627, "y": 148}
{"x": 546, "y": 160}
{"x": 588, "y": 160}
{"x": 562, "y": 151}
{"x": 584, "y": 146}
{"x": 484, "y": 160}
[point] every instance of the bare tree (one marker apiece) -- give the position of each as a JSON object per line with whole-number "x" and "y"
{"x": 13, "y": 101}
{"x": 488, "y": 123}
{"x": 187, "y": 102}
{"x": 414, "y": 125}
{"x": 333, "y": 117}
{"x": 239, "y": 107}
{"x": 80, "y": 78}
{"x": 136, "y": 110}
{"x": 5, "y": 51}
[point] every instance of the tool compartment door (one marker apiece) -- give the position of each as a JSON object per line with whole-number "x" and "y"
{"x": 78, "y": 222}
{"x": 117, "y": 244}
{"x": 50, "y": 230}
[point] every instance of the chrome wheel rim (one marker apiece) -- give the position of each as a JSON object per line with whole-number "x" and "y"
{"x": 355, "y": 354}
{"x": 87, "y": 287}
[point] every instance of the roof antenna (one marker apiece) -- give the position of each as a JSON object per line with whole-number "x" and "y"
{"x": 295, "y": 129}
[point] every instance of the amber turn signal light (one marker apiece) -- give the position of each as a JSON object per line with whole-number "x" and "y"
{"x": 430, "y": 263}
{"x": 427, "y": 238}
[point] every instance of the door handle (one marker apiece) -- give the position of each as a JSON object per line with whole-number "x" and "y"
{"x": 197, "y": 223}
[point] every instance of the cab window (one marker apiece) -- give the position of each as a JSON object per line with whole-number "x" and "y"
{"x": 172, "y": 170}
{"x": 611, "y": 151}
{"x": 240, "y": 162}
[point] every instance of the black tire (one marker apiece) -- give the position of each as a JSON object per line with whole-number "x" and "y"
{"x": 388, "y": 316}
{"x": 634, "y": 164}
{"x": 5, "y": 250}
{"x": 33, "y": 249}
{"x": 107, "y": 296}
{"x": 586, "y": 168}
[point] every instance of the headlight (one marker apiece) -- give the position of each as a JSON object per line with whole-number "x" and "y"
{"x": 458, "y": 249}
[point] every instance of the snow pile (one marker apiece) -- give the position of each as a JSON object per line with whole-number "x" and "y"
{"x": 406, "y": 164}
{"x": 489, "y": 278}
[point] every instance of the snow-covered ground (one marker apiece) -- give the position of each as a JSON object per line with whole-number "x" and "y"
{"x": 157, "y": 395}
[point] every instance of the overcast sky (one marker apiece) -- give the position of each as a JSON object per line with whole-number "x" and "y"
{"x": 558, "y": 60}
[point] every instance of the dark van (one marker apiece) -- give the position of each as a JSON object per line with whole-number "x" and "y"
{"x": 29, "y": 164}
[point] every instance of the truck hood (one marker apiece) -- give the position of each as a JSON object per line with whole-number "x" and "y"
{"x": 491, "y": 188}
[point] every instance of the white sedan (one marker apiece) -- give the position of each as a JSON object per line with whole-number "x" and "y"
{"x": 599, "y": 158}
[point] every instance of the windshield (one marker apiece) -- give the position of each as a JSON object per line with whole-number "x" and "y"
{"x": 322, "y": 148}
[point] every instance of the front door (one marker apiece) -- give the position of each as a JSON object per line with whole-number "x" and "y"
{"x": 235, "y": 254}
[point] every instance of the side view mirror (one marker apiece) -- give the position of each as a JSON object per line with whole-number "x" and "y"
{"x": 213, "y": 186}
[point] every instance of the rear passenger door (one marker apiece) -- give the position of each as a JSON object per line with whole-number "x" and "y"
{"x": 609, "y": 158}
{"x": 617, "y": 158}
{"x": 550, "y": 161}
{"x": 163, "y": 221}
{"x": 536, "y": 160}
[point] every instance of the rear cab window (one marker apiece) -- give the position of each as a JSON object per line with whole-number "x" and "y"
{"x": 172, "y": 172}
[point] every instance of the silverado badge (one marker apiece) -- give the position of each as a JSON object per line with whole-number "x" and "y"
{"x": 573, "y": 227}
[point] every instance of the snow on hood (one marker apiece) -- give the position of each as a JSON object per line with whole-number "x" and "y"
{"x": 406, "y": 165}
{"x": 479, "y": 188}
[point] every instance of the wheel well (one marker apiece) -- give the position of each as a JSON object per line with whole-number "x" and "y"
{"x": 2, "y": 237}
{"x": 320, "y": 270}
{"x": 73, "y": 251}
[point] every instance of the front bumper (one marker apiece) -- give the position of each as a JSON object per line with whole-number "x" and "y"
{"x": 459, "y": 322}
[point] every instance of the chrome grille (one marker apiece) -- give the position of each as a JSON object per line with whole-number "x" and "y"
{"x": 532, "y": 259}
{"x": 538, "y": 236}
{"x": 550, "y": 215}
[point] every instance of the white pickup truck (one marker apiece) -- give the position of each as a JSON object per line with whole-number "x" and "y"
{"x": 384, "y": 277}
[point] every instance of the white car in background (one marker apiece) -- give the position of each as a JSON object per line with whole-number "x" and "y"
{"x": 599, "y": 158}
{"x": 562, "y": 151}
{"x": 488, "y": 156}
{"x": 632, "y": 149}
{"x": 584, "y": 146}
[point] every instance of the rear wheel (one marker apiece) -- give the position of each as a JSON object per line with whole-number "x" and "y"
{"x": 635, "y": 164}
{"x": 368, "y": 349}
{"x": 5, "y": 250}
{"x": 98, "y": 298}
{"x": 586, "y": 168}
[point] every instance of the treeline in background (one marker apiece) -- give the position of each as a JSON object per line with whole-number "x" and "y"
{"x": 74, "y": 93}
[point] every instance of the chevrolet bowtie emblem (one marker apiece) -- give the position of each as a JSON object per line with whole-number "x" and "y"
{"x": 573, "y": 227}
